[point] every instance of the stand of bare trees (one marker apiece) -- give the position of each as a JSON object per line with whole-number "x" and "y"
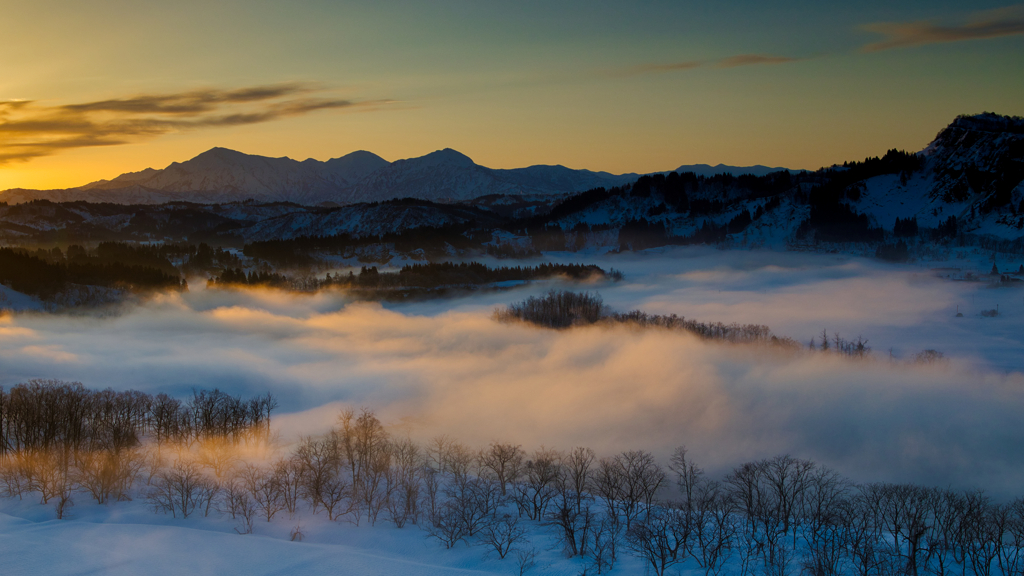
{"x": 58, "y": 438}
{"x": 789, "y": 516}
{"x": 562, "y": 309}
{"x": 754, "y": 333}
{"x": 773, "y": 517}
{"x": 46, "y": 414}
{"x": 853, "y": 348}
{"x": 557, "y": 309}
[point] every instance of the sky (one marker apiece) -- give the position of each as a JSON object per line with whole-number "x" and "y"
{"x": 90, "y": 90}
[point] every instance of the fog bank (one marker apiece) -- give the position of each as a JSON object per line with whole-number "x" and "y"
{"x": 446, "y": 367}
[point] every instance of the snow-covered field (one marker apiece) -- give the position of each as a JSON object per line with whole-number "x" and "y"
{"x": 445, "y": 366}
{"x": 128, "y": 539}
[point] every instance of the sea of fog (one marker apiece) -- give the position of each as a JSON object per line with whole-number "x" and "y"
{"x": 446, "y": 367}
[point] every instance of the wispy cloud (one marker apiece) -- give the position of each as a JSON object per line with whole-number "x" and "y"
{"x": 658, "y": 68}
{"x": 730, "y": 62}
{"x": 30, "y": 130}
{"x": 753, "y": 60}
{"x": 1007, "y": 21}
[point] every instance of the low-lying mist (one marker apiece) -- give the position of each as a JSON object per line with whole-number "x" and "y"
{"x": 446, "y": 367}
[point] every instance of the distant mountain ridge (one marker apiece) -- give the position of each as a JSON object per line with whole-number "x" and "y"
{"x": 221, "y": 175}
{"x": 966, "y": 187}
{"x": 707, "y": 170}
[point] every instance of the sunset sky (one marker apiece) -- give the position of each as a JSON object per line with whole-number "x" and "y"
{"x": 89, "y": 90}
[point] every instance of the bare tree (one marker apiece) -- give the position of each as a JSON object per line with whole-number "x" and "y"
{"x": 572, "y": 523}
{"x": 367, "y": 447}
{"x": 336, "y": 492}
{"x": 941, "y": 535}
{"x": 219, "y": 454}
{"x": 430, "y": 499}
{"x": 688, "y": 475}
{"x": 438, "y": 453}
{"x": 1011, "y": 558}
{"x": 449, "y": 457}
{"x": 320, "y": 461}
{"x": 768, "y": 493}
{"x": 526, "y": 559}
{"x": 864, "y": 534}
{"x": 375, "y": 487}
{"x": 534, "y": 493}
{"x": 447, "y": 524}
{"x": 642, "y": 478}
{"x": 716, "y": 529}
{"x": 577, "y": 465}
{"x": 97, "y": 471}
{"x": 239, "y": 503}
{"x": 824, "y": 511}
{"x": 477, "y": 501}
{"x": 607, "y": 482}
{"x": 49, "y": 471}
{"x": 459, "y": 461}
{"x": 289, "y": 475}
{"x": 107, "y": 474}
{"x": 979, "y": 533}
{"x": 571, "y": 514}
{"x": 15, "y": 478}
{"x": 657, "y": 540}
{"x": 182, "y": 490}
{"x": 603, "y": 546}
{"x": 902, "y": 511}
{"x": 503, "y": 534}
{"x": 404, "y": 478}
{"x": 265, "y": 489}
{"x": 504, "y": 461}
{"x": 62, "y": 502}
{"x": 787, "y": 479}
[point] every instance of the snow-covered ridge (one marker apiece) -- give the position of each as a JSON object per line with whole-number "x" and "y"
{"x": 973, "y": 171}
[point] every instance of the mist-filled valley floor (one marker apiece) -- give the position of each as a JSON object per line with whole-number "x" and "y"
{"x": 446, "y": 366}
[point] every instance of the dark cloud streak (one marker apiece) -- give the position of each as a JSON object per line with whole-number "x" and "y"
{"x": 189, "y": 102}
{"x": 730, "y": 62}
{"x": 753, "y": 60}
{"x": 659, "y": 68}
{"x": 29, "y": 130}
{"x": 993, "y": 24}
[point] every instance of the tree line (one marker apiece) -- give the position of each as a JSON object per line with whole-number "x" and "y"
{"x": 46, "y": 277}
{"x": 301, "y": 251}
{"x": 680, "y": 192}
{"x": 49, "y": 414}
{"x": 415, "y": 277}
{"x": 563, "y": 309}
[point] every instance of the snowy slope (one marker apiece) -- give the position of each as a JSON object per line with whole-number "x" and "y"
{"x": 974, "y": 170}
{"x": 364, "y": 220}
{"x": 102, "y": 543}
{"x": 11, "y": 300}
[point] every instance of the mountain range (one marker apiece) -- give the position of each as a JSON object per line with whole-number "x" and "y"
{"x": 965, "y": 188}
{"x": 220, "y": 175}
